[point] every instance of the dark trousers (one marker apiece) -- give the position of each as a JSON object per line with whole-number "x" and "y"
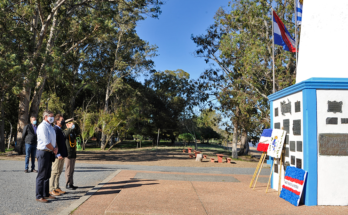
{"x": 30, "y": 151}
{"x": 44, "y": 173}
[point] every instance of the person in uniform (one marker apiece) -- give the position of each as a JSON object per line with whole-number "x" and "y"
{"x": 70, "y": 141}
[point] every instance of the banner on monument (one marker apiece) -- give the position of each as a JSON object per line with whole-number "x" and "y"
{"x": 293, "y": 185}
{"x": 277, "y": 141}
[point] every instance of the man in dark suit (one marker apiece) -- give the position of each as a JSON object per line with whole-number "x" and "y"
{"x": 58, "y": 164}
{"x": 29, "y": 137}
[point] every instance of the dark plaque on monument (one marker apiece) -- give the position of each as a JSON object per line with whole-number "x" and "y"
{"x": 292, "y": 146}
{"x": 334, "y": 106}
{"x": 333, "y": 144}
{"x": 296, "y": 127}
{"x": 287, "y": 152}
{"x": 331, "y": 121}
{"x": 299, "y": 146}
{"x": 286, "y": 125}
{"x": 286, "y": 165}
{"x": 286, "y": 142}
{"x": 299, "y": 163}
{"x": 285, "y": 107}
{"x": 292, "y": 160}
{"x": 277, "y": 125}
{"x": 344, "y": 120}
{"x": 275, "y": 168}
{"x": 276, "y": 112}
{"x": 297, "y": 106}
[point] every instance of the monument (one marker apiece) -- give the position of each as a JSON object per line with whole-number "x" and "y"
{"x": 314, "y": 111}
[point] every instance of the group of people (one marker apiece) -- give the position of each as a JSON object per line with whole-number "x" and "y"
{"x": 53, "y": 142}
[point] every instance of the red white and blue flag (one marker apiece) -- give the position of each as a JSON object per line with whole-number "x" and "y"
{"x": 281, "y": 35}
{"x": 293, "y": 185}
{"x": 265, "y": 140}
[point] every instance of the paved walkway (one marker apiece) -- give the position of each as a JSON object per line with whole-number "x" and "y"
{"x": 145, "y": 192}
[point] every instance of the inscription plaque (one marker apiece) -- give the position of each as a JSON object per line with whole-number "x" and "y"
{"x": 344, "y": 120}
{"x": 331, "y": 121}
{"x": 299, "y": 163}
{"x": 286, "y": 139}
{"x": 277, "y": 125}
{"x": 299, "y": 146}
{"x": 287, "y": 152}
{"x": 334, "y": 106}
{"x": 333, "y": 144}
{"x": 285, "y": 107}
{"x": 275, "y": 168}
{"x": 292, "y": 146}
{"x": 286, "y": 125}
{"x": 292, "y": 160}
{"x": 296, "y": 127}
{"x": 276, "y": 112}
{"x": 297, "y": 106}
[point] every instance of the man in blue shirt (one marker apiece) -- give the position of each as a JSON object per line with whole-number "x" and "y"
{"x": 46, "y": 152}
{"x": 29, "y": 137}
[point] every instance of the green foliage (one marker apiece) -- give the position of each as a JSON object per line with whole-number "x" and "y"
{"x": 53, "y": 102}
{"x": 187, "y": 137}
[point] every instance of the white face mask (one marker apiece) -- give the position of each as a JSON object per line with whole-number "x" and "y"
{"x": 50, "y": 119}
{"x": 73, "y": 126}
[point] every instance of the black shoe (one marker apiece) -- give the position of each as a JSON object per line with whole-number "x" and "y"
{"x": 70, "y": 187}
{"x": 75, "y": 187}
{"x": 26, "y": 171}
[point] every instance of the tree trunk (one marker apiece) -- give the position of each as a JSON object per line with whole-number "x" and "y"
{"x": 9, "y": 138}
{"x": 2, "y": 136}
{"x": 23, "y": 110}
{"x": 235, "y": 140}
{"x": 244, "y": 144}
{"x": 35, "y": 103}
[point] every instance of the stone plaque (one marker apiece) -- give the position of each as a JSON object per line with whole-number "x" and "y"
{"x": 277, "y": 125}
{"x": 331, "y": 121}
{"x": 287, "y": 152}
{"x": 275, "y": 168}
{"x": 292, "y": 146}
{"x": 276, "y": 112}
{"x": 334, "y": 106}
{"x": 292, "y": 160}
{"x": 286, "y": 142}
{"x": 285, "y": 107}
{"x": 299, "y": 163}
{"x": 297, "y": 106}
{"x": 344, "y": 120}
{"x": 299, "y": 146}
{"x": 333, "y": 144}
{"x": 296, "y": 127}
{"x": 286, "y": 125}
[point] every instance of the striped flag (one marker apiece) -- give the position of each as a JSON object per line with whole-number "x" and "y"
{"x": 265, "y": 140}
{"x": 281, "y": 35}
{"x": 299, "y": 8}
{"x": 293, "y": 185}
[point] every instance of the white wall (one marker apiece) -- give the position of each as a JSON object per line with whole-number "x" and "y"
{"x": 332, "y": 170}
{"x": 323, "y": 46}
{"x": 291, "y": 116}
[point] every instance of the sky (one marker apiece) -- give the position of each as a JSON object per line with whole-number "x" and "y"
{"x": 172, "y": 31}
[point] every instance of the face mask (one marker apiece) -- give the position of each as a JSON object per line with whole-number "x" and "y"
{"x": 34, "y": 122}
{"x": 50, "y": 119}
{"x": 73, "y": 126}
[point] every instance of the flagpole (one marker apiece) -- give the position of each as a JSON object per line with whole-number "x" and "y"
{"x": 295, "y": 6}
{"x": 273, "y": 52}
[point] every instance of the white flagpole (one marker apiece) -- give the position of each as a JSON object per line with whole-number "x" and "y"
{"x": 296, "y": 33}
{"x": 273, "y": 52}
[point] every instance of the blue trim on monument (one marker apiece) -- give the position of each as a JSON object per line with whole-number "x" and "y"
{"x": 312, "y": 83}
{"x": 270, "y": 159}
{"x": 310, "y": 146}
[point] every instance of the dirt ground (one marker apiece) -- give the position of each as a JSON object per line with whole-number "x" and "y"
{"x": 152, "y": 157}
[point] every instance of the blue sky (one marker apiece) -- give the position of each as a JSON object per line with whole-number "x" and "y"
{"x": 172, "y": 33}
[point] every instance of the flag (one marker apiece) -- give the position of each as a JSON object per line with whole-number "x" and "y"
{"x": 281, "y": 35}
{"x": 293, "y": 185}
{"x": 265, "y": 140}
{"x": 299, "y": 8}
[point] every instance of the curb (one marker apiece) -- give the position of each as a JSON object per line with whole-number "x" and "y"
{"x": 90, "y": 192}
